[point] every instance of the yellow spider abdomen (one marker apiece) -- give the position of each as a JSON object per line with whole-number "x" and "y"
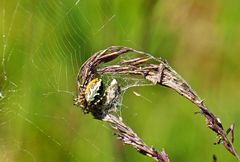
{"x": 90, "y": 85}
{"x": 93, "y": 89}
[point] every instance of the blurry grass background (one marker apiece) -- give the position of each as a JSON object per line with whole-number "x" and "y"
{"x": 43, "y": 44}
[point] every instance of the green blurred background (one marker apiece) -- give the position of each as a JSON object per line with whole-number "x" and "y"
{"x": 44, "y": 42}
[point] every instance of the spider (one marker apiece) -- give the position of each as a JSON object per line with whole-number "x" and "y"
{"x": 97, "y": 99}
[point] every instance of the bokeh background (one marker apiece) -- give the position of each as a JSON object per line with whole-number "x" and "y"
{"x": 44, "y": 43}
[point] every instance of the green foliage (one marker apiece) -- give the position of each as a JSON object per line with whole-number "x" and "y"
{"x": 44, "y": 44}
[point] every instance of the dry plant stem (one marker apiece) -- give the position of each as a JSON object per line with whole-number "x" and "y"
{"x": 171, "y": 79}
{"x": 163, "y": 74}
{"x": 158, "y": 73}
{"x": 127, "y": 136}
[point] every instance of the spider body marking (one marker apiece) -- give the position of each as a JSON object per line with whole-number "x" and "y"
{"x": 97, "y": 99}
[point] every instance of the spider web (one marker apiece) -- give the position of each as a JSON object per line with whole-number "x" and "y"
{"x": 43, "y": 46}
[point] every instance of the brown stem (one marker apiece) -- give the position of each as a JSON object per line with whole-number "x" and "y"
{"x": 127, "y": 136}
{"x": 158, "y": 73}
